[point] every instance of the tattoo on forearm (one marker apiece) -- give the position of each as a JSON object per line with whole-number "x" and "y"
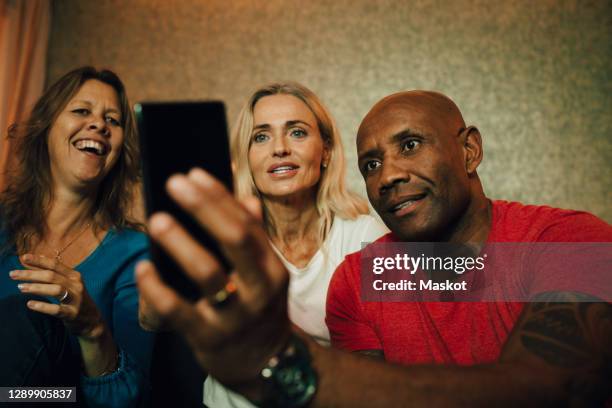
{"x": 568, "y": 329}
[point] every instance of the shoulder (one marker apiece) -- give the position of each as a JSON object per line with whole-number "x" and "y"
{"x": 350, "y": 234}
{"x": 513, "y": 221}
{"x": 127, "y": 238}
{"x": 351, "y": 263}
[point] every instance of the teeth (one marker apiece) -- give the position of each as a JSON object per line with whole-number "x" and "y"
{"x": 402, "y": 205}
{"x": 283, "y": 169}
{"x": 84, "y": 144}
{"x": 407, "y": 203}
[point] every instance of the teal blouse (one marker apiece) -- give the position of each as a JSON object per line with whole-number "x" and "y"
{"x": 108, "y": 275}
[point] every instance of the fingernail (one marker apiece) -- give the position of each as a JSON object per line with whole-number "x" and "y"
{"x": 182, "y": 189}
{"x": 159, "y": 222}
{"x": 201, "y": 177}
{"x": 27, "y": 257}
{"x": 14, "y": 274}
{"x": 31, "y": 304}
{"x": 140, "y": 269}
{"x": 22, "y": 287}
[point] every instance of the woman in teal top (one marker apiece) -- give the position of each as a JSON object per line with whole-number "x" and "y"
{"x": 69, "y": 246}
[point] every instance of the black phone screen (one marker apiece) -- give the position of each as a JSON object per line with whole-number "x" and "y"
{"x": 176, "y": 137}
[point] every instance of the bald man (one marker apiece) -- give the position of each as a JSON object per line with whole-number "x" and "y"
{"x": 415, "y": 152}
{"x": 419, "y": 162}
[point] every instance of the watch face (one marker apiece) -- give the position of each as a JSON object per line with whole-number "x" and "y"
{"x": 292, "y": 382}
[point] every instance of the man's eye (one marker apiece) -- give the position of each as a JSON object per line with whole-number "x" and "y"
{"x": 298, "y": 133}
{"x": 112, "y": 121}
{"x": 260, "y": 137}
{"x": 410, "y": 145}
{"x": 371, "y": 165}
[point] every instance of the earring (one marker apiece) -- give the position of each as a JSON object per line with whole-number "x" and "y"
{"x": 324, "y": 165}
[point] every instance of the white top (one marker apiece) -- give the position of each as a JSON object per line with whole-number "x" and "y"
{"x": 308, "y": 291}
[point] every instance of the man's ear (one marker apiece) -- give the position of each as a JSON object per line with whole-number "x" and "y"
{"x": 472, "y": 147}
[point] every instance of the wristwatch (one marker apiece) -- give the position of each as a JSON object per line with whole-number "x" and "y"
{"x": 289, "y": 378}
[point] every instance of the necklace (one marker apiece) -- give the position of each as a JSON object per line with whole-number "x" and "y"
{"x": 59, "y": 252}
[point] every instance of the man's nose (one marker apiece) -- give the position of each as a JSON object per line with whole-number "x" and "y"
{"x": 393, "y": 173}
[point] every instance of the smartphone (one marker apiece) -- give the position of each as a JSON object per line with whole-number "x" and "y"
{"x": 174, "y": 138}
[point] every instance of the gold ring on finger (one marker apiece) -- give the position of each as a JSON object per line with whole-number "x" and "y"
{"x": 223, "y": 296}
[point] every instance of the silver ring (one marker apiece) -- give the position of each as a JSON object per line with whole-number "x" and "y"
{"x": 223, "y": 296}
{"x": 64, "y": 296}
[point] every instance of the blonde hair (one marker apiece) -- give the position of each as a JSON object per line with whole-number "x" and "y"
{"x": 333, "y": 198}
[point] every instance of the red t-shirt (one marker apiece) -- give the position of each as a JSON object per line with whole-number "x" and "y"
{"x": 448, "y": 333}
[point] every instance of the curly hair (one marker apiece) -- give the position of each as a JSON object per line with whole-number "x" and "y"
{"x": 28, "y": 193}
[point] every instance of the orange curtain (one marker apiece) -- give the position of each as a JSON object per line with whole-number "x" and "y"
{"x": 24, "y": 35}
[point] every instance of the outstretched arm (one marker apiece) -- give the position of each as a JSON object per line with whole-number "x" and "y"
{"x": 233, "y": 342}
{"x": 559, "y": 353}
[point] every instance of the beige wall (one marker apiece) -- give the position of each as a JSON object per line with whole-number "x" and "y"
{"x": 534, "y": 76}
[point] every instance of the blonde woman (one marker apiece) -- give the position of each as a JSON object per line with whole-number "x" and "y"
{"x": 287, "y": 151}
